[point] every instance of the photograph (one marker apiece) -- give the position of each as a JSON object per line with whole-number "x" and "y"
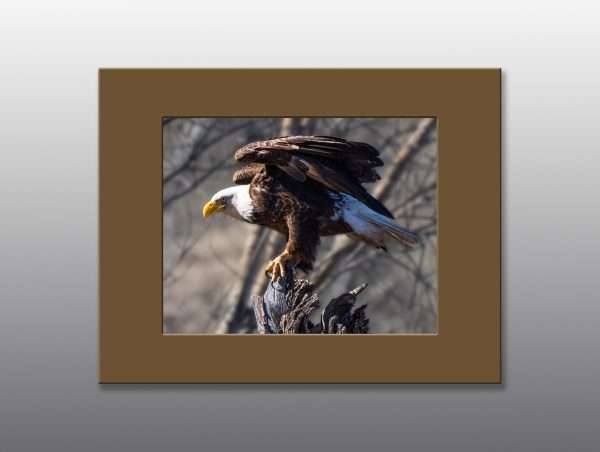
{"x": 299, "y": 225}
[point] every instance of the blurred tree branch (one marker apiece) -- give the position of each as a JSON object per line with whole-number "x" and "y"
{"x": 188, "y": 163}
{"x": 404, "y": 156}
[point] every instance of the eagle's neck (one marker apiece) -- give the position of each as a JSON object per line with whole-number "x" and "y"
{"x": 240, "y": 204}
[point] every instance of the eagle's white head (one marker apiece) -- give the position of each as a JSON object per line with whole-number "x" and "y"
{"x": 234, "y": 202}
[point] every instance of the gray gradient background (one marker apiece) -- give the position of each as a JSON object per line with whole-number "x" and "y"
{"x": 49, "y": 398}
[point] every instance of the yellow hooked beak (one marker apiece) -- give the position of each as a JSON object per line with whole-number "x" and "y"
{"x": 211, "y": 207}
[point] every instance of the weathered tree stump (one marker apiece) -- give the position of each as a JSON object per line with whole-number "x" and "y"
{"x": 288, "y": 302}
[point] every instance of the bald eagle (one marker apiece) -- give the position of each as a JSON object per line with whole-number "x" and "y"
{"x": 306, "y": 187}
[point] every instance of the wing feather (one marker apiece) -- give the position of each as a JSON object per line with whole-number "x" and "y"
{"x": 338, "y": 164}
{"x": 246, "y": 173}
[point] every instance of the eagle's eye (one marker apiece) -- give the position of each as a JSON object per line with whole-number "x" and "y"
{"x": 223, "y": 201}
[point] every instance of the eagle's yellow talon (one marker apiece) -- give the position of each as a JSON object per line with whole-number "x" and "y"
{"x": 277, "y": 266}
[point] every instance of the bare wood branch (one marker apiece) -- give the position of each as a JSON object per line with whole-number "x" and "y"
{"x": 338, "y": 318}
{"x": 288, "y": 302}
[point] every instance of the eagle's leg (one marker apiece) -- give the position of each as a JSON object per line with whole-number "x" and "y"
{"x": 301, "y": 248}
{"x": 277, "y": 266}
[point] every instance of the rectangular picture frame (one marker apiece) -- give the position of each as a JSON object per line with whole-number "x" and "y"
{"x": 466, "y": 104}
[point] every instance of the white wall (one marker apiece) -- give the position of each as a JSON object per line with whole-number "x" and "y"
{"x": 49, "y": 54}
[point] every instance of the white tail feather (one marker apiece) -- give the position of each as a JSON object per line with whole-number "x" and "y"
{"x": 370, "y": 226}
{"x": 392, "y": 230}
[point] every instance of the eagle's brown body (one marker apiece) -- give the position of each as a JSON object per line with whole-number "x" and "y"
{"x": 302, "y": 213}
{"x": 308, "y": 186}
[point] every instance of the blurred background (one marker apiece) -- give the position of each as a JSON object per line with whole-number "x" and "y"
{"x": 212, "y": 266}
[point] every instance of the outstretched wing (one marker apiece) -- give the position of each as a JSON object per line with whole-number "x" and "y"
{"x": 340, "y": 165}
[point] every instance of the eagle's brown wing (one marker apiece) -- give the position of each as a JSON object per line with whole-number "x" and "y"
{"x": 339, "y": 165}
{"x": 245, "y": 174}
